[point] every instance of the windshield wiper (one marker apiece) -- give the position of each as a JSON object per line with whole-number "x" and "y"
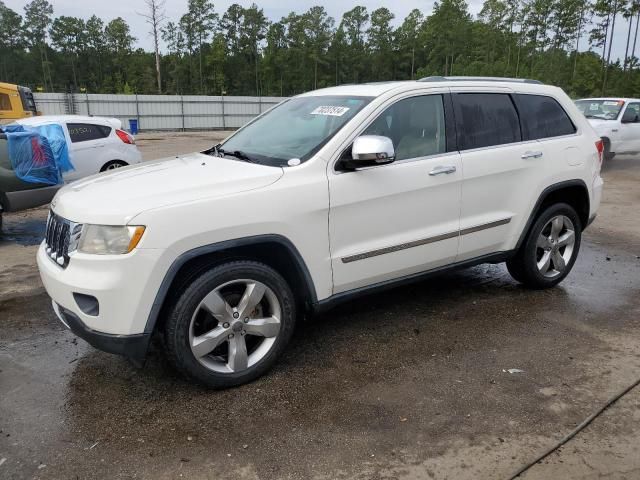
{"x": 240, "y": 155}
{"x": 221, "y": 152}
{"x": 599, "y": 117}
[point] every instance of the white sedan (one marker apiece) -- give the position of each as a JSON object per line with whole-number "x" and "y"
{"x": 96, "y": 144}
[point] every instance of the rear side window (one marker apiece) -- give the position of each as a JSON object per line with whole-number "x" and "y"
{"x": 485, "y": 119}
{"x": 83, "y": 132}
{"x": 542, "y": 117}
{"x": 5, "y": 102}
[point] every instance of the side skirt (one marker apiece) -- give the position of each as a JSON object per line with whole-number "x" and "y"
{"x": 334, "y": 300}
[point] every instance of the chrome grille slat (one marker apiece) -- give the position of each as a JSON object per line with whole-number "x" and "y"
{"x": 57, "y": 239}
{"x": 48, "y": 231}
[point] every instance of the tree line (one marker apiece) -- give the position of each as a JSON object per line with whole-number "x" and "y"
{"x": 241, "y": 52}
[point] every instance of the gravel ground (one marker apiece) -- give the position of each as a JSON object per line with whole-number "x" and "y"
{"x": 410, "y": 384}
{"x": 166, "y": 144}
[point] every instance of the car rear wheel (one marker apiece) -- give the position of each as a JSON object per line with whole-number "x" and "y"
{"x": 550, "y": 249}
{"x": 112, "y": 165}
{"x": 230, "y": 324}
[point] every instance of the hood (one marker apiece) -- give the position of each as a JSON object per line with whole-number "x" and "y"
{"x": 115, "y": 198}
{"x": 601, "y": 125}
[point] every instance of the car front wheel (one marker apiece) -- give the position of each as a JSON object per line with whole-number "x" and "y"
{"x": 550, "y": 248}
{"x": 607, "y": 154}
{"x": 230, "y": 324}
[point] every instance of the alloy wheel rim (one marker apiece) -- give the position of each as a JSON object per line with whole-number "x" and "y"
{"x": 113, "y": 166}
{"x": 235, "y": 326}
{"x": 555, "y": 245}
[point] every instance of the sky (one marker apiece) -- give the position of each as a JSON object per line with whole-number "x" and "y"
{"x": 273, "y": 9}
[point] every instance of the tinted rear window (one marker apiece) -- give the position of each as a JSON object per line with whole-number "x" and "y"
{"x": 82, "y": 132}
{"x": 485, "y": 119}
{"x": 542, "y": 117}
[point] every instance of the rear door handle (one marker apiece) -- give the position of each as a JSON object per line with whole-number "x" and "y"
{"x": 440, "y": 169}
{"x": 527, "y": 155}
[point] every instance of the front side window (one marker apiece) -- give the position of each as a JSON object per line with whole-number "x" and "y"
{"x": 83, "y": 132}
{"x": 634, "y": 106}
{"x": 415, "y": 125}
{"x": 542, "y": 117}
{"x": 295, "y": 129}
{"x": 600, "y": 109}
{"x": 631, "y": 113}
{"x": 485, "y": 119}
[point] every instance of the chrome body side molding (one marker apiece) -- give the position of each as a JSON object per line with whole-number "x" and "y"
{"x": 423, "y": 241}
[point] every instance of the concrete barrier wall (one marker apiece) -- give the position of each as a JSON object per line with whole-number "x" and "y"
{"x": 160, "y": 112}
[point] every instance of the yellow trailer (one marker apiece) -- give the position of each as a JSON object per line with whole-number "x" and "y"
{"x": 15, "y": 102}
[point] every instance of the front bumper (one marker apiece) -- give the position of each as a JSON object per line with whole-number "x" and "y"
{"x": 123, "y": 286}
{"x": 131, "y": 346}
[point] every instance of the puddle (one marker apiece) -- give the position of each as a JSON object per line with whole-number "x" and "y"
{"x": 22, "y": 231}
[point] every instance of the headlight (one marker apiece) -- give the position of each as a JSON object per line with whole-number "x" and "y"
{"x": 109, "y": 240}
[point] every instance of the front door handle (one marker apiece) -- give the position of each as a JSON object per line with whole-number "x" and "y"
{"x": 527, "y": 155}
{"x": 439, "y": 170}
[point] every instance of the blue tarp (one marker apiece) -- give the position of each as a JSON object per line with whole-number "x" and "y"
{"x": 58, "y": 142}
{"x": 38, "y": 154}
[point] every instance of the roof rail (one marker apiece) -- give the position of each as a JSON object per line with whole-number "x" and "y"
{"x": 482, "y": 79}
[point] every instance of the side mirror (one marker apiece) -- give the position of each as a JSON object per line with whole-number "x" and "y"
{"x": 370, "y": 150}
{"x": 629, "y": 116}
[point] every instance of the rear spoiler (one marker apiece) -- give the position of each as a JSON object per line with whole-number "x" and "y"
{"x": 115, "y": 123}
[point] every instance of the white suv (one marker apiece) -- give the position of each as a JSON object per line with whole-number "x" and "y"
{"x": 616, "y": 121}
{"x": 331, "y": 194}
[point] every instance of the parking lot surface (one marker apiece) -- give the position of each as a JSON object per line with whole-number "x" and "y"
{"x": 410, "y": 384}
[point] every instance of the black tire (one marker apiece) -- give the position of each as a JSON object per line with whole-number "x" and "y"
{"x": 182, "y": 310}
{"x": 523, "y": 266}
{"x": 607, "y": 154}
{"x": 113, "y": 164}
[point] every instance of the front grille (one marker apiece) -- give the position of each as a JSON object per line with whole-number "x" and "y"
{"x": 57, "y": 238}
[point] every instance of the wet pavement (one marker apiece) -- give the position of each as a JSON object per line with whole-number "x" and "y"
{"x": 409, "y": 384}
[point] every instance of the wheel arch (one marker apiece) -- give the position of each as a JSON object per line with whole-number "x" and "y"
{"x": 276, "y": 251}
{"x": 103, "y": 168}
{"x": 572, "y": 192}
{"x": 607, "y": 154}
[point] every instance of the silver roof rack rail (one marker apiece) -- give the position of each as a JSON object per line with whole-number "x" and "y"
{"x": 481, "y": 79}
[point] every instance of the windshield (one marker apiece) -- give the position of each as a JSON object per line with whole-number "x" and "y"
{"x": 600, "y": 109}
{"x": 294, "y": 130}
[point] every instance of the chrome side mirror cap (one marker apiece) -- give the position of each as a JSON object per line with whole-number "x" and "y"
{"x": 370, "y": 150}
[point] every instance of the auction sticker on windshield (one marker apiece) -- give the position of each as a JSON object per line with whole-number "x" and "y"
{"x": 331, "y": 110}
